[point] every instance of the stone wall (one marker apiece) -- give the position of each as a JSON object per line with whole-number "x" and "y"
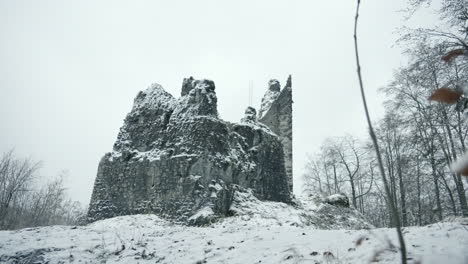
{"x": 276, "y": 113}
{"x": 176, "y": 158}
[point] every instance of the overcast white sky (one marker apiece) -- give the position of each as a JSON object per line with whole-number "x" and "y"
{"x": 69, "y": 70}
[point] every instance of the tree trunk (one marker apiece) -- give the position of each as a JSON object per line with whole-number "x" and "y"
{"x": 404, "y": 215}
{"x": 418, "y": 178}
{"x": 436, "y": 186}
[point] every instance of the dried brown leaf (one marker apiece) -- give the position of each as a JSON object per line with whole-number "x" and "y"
{"x": 452, "y": 55}
{"x": 464, "y": 172}
{"x": 461, "y": 165}
{"x": 360, "y": 240}
{"x": 445, "y": 95}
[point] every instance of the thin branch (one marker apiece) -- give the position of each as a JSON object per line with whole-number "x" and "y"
{"x": 393, "y": 210}
{"x": 370, "y": 186}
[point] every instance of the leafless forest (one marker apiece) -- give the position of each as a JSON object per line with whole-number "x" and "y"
{"x": 26, "y": 200}
{"x": 418, "y": 138}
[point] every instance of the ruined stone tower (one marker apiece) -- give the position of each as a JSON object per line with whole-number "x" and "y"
{"x": 178, "y": 159}
{"x": 276, "y": 113}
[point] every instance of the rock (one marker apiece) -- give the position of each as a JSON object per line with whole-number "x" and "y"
{"x": 306, "y": 211}
{"x": 276, "y": 113}
{"x": 204, "y": 216}
{"x": 340, "y": 200}
{"x": 187, "y": 85}
{"x": 274, "y": 85}
{"x": 270, "y": 96}
{"x": 175, "y": 157}
{"x": 250, "y": 115}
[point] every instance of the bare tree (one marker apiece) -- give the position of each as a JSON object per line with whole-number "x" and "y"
{"x": 16, "y": 176}
{"x": 23, "y": 203}
{"x": 350, "y": 159}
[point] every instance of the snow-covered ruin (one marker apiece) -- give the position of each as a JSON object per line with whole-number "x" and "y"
{"x": 178, "y": 159}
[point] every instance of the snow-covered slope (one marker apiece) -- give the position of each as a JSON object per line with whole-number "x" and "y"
{"x": 306, "y": 211}
{"x": 149, "y": 239}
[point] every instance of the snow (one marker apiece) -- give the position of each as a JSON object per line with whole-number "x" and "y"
{"x": 194, "y": 177}
{"x": 335, "y": 197}
{"x": 308, "y": 211}
{"x": 152, "y": 98}
{"x": 205, "y": 212}
{"x": 150, "y": 155}
{"x": 149, "y": 239}
{"x": 184, "y": 155}
{"x": 267, "y": 100}
{"x": 256, "y": 126}
{"x": 217, "y": 187}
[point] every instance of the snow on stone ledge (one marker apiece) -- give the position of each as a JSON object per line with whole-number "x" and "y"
{"x": 268, "y": 99}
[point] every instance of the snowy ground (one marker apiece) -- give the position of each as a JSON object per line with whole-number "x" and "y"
{"x": 149, "y": 239}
